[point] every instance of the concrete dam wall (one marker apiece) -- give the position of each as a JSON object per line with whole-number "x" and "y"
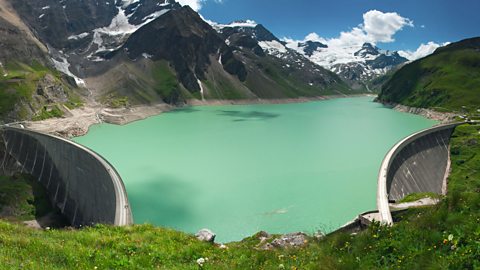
{"x": 83, "y": 185}
{"x": 418, "y": 163}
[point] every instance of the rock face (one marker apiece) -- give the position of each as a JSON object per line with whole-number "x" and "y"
{"x": 266, "y": 56}
{"x": 15, "y": 44}
{"x": 182, "y": 38}
{"x": 309, "y": 47}
{"x": 205, "y": 235}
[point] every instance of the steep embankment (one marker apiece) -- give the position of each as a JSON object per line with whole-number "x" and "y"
{"x": 448, "y": 80}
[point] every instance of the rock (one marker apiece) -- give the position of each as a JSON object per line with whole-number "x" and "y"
{"x": 472, "y": 142}
{"x": 291, "y": 240}
{"x": 262, "y": 234}
{"x": 319, "y": 235}
{"x": 205, "y": 235}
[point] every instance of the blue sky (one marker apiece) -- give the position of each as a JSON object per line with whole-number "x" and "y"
{"x": 434, "y": 20}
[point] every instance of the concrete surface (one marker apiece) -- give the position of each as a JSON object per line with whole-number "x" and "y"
{"x": 418, "y": 163}
{"x": 85, "y": 187}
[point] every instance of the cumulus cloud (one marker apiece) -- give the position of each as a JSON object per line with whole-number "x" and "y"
{"x": 377, "y": 27}
{"x": 194, "y": 4}
{"x": 422, "y": 51}
{"x": 381, "y": 27}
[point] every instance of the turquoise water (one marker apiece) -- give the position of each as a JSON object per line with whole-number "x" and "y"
{"x": 240, "y": 169}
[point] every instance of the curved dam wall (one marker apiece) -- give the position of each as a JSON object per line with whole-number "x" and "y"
{"x": 84, "y": 186}
{"x": 418, "y": 163}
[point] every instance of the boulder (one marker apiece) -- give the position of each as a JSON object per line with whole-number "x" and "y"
{"x": 205, "y": 235}
{"x": 291, "y": 240}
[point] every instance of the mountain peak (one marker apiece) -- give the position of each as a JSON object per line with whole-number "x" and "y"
{"x": 367, "y": 50}
{"x": 309, "y": 46}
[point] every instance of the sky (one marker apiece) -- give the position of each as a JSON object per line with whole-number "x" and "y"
{"x": 409, "y": 26}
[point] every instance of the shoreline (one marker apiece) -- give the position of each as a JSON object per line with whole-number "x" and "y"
{"x": 77, "y": 122}
{"x": 442, "y": 117}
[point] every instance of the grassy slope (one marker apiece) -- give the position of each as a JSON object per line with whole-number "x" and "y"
{"x": 21, "y": 83}
{"x": 444, "y": 236}
{"x": 446, "y": 80}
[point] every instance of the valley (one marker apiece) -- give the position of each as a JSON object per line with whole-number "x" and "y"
{"x": 242, "y": 126}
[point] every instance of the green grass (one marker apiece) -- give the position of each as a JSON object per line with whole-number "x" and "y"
{"x": 48, "y": 112}
{"x": 167, "y": 84}
{"x": 417, "y": 196}
{"x": 22, "y": 198}
{"x": 446, "y": 81}
{"x": 227, "y": 91}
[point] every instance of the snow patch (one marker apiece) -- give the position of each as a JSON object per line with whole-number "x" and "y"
{"x": 219, "y": 26}
{"x": 120, "y": 29}
{"x": 147, "y": 56}
{"x": 64, "y": 66}
{"x": 45, "y": 7}
{"x": 41, "y": 16}
{"x": 201, "y": 89}
{"x": 79, "y": 36}
{"x": 272, "y": 47}
{"x": 126, "y": 3}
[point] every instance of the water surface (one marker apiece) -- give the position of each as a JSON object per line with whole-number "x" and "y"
{"x": 240, "y": 169}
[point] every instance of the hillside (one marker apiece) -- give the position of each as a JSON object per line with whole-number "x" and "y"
{"x": 449, "y": 79}
{"x": 30, "y": 86}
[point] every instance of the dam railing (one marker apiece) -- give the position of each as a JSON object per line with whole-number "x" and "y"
{"x": 418, "y": 163}
{"x": 83, "y": 185}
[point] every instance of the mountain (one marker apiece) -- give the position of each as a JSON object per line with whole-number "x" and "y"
{"x": 265, "y": 56}
{"x": 353, "y": 63}
{"x": 150, "y": 52}
{"x": 447, "y": 79}
{"x": 29, "y": 84}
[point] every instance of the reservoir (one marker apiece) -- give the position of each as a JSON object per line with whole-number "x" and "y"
{"x": 240, "y": 169}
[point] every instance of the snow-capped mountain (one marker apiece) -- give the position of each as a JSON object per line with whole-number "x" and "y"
{"x": 354, "y": 63}
{"x": 158, "y": 51}
{"x": 247, "y": 37}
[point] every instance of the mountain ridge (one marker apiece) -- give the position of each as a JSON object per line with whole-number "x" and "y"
{"x": 445, "y": 80}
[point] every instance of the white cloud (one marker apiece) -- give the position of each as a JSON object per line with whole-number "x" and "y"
{"x": 194, "y": 4}
{"x": 381, "y": 27}
{"x": 422, "y": 51}
{"x": 197, "y": 4}
{"x": 377, "y": 27}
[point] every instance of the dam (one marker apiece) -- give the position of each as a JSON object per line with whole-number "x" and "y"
{"x": 83, "y": 185}
{"x": 418, "y": 163}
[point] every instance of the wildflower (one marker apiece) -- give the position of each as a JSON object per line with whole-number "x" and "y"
{"x": 450, "y": 237}
{"x": 201, "y": 261}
